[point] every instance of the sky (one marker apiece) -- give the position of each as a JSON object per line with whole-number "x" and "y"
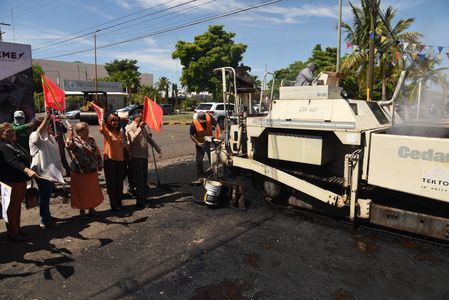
{"x": 277, "y": 34}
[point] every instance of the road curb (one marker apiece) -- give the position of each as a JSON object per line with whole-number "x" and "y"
{"x": 176, "y": 123}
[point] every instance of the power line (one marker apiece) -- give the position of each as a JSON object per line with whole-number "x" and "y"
{"x": 115, "y": 25}
{"x": 30, "y": 8}
{"x": 161, "y": 16}
{"x": 178, "y": 27}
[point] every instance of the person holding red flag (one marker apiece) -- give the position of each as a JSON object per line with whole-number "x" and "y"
{"x": 114, "y": 160}
{"x": 138, "y": 137}
{"x": 54, "y": 97}
{"x": 152, "y": 114}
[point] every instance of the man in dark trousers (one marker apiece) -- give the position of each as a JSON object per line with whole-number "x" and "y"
{"x": 138, "y": 137}
{"x": 201, "y": 127}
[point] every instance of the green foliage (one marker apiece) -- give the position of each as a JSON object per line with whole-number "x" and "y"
{"x": 73, "y": 102}
{"x": 424, "y": 71}
{"x": 326, "y": 60}
{"x": 358, "y": 34}
{"x": 148, "y": 91}
{"x": 162, "y": 86}
{"x": 212, "y": 49}
{"x": 189, "y": 104}
{"x": 125, "y": 71}
{"x": 37, "y": 72}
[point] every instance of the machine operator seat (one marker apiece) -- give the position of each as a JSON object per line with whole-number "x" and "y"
{"x": 245, "y": 84}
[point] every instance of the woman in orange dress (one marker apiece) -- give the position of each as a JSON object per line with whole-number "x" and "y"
{"x": 84, "y": 185}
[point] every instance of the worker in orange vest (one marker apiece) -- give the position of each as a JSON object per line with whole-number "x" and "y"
{"x": 201, "y": 127}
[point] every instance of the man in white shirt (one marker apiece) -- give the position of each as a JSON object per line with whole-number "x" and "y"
{"x": 46, "y": 162}
{"x": 138, "y": 137}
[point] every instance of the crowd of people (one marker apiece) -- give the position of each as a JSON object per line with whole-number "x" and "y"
{"x": 36, "y": 151}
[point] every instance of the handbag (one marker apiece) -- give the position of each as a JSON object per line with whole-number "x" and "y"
{"x": 31, "y": 196}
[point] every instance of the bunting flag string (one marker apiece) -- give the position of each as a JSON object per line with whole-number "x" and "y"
{"x": 415, "y": 51}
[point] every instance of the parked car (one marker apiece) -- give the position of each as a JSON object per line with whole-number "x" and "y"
{"x": 167, "y": 109}
{"x": 129, "y": 110}
{"x": 73, "y": 114}
{"x": 215, "y": 109}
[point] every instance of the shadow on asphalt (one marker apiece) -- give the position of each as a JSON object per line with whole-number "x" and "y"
{"x": 39, "y": 241}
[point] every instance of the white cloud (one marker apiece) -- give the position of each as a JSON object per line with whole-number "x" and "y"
{"x": 151, "y": 58}
{"x": 276, "y": 14}
{"x": 93, "y": 9}
{"x": 123, "y": 4}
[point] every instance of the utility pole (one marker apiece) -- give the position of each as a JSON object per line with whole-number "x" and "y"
{"x": 95, "y": 54}
{"x": 13, "y": 27}
{"x": 1, "y": 33}
{"x": 373, "y": 15}
{"x": 339, "y": 37}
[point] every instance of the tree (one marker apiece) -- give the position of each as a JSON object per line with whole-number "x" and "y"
{"x": 163, "y": 85}
{"x": 149, "y": 91}
{"x": 37, "y": 72}
{"x": 359, "y": 36}
{"x": 126, "y": 72}
{"x": 212, "y": 49}
{"x": 424, "y": 70}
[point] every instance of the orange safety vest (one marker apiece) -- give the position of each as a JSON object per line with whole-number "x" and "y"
{"x": 200, "y": 132}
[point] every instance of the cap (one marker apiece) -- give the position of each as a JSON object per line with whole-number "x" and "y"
{"x": 122, "y": 114}
{"x": 19, "y": 114}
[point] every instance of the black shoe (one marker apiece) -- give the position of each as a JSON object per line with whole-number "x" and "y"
{"x": 143, "y": 205}
{"x": 23, "y": 233}
{"x": 51, "y": 224}
{"x": 93, "y": 213}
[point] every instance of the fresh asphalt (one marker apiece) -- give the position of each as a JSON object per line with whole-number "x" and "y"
{"x": 182, "y": 250}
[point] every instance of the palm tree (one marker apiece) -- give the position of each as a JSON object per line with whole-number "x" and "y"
{"x": 424, "y": 71}
{"x": 163, "y": 85}
{"x": 389, "y": 66}
{"x": 359, "y": 36}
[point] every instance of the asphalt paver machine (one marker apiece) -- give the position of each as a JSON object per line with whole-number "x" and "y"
{"x": 352, "y": 158}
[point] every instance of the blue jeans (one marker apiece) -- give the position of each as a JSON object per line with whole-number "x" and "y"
{"x": 45, "y": 189}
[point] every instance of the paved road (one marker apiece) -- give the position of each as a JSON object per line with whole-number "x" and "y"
{"x": 182, "y": 250}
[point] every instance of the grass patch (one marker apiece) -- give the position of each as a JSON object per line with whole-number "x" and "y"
{"x": 187, "y": 116}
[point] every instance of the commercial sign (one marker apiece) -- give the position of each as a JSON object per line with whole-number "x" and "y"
{"x": 82, "y": 85}
{"x": 16, "y": 81}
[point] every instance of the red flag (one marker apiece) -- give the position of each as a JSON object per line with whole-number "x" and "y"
{"x": 99, "y": 111}
{"x": 152, "y": 114}
{"x": 348, "y": 45}
{"x": 53, "y": 95}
